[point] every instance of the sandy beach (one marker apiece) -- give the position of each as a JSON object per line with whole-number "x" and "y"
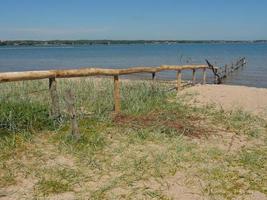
{"x": 230, "y": 97}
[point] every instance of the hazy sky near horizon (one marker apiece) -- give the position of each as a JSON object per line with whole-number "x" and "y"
{"x": 133, "y": 19}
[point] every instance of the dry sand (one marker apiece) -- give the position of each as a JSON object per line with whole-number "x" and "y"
{"x": 250, "y": 99}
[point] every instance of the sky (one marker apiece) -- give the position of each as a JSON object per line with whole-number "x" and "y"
{"x": 133, "y": 19}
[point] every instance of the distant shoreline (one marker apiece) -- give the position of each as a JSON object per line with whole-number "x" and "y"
{"x": 123, "y": 42}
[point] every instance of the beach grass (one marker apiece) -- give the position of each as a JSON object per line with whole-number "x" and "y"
{"x": 159, "y": 147}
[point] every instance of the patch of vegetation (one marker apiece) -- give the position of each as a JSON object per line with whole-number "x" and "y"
{"x": 134, "y": 155}
{"x": 13, "y": 143}
{"x": 236, "y": 174}
{"x": 7, "y": 177}
{"x": 47, "y": 187}
{"x": 24, "y": 116}
{"x": 58, "y": 180}
{"x": 238, "y": 121}
{"x": 92, "y": 138}
{"x": 141, "y": 97}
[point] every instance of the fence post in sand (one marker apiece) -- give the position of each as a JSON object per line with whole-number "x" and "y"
{"x": 204, "y": 76}
{"x": 70, "y": 99}
{"x": 179, "y": 79}
{"x": 153, "y": 75}
{"x": 215, "y": 78}
{"x": 55, "y": 110}
{"x": 243, "y": 62}
{"x": 232, "y": 67}
{"x": 225, "y": 70}
{"x": 117, "y": 100}
{"x": 194, "y": 76}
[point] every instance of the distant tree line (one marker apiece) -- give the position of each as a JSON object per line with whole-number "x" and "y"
{"x": 110, "y": 42}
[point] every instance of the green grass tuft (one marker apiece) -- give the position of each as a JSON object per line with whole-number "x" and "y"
{"x": 50, "y": 186}
{"x": 19, "y": 116}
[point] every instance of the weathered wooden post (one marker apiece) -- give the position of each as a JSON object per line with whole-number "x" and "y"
{"x": 153, "y": 75}
{"x": 215, "y": 77}
{"x": 232, "y": 67}
{"x": 55, "y": 110}
{"x": 179, "y": 79}
{"x": 244, "y": 61}
{"x": 117, "y": 100}
{"x": 204, "y": 76}
{"x": 153, "y": 85}
{"x": 225, "y": 70}
{"x": 69, "y": 99}
{"x": 194, "y": 76}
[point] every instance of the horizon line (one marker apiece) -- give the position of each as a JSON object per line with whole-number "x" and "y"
{"x": 226, "y": 40}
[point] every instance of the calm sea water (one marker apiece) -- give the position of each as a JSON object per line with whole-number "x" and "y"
{"x": 123, "y": 56}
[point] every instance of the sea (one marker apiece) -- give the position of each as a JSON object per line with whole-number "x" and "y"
{"x": 254, "y": 74}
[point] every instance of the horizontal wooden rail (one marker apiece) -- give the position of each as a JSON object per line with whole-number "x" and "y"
{"x": 68, "y": 73}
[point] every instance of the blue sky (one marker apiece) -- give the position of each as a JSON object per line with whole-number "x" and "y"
{"x": 133, "y": 19}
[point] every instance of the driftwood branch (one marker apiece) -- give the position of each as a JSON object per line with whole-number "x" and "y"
{"x": 215, "y": 72}
{"x": 221, "y": 73}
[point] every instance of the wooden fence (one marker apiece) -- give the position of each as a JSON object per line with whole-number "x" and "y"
{"x": 52, "y": 75}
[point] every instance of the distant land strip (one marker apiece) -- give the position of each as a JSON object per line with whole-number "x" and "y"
{"x": 111, "y": 42}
